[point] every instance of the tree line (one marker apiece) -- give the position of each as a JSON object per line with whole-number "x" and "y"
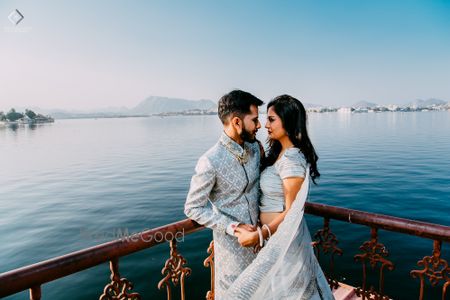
{"x": 13, "y": 115}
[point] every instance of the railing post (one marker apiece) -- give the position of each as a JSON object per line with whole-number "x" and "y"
{"x": 435, "y": 269}
{"x": 175, "y": 271}
{"x": 118, "y": 288}
{"x": 374, "y": 253}
{"x": 35, "y": 293}
{"x": 209, "y": 262}
{"x": 326, "y": 241}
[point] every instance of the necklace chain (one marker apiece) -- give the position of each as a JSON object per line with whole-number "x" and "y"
{"x": 242, "y": 158}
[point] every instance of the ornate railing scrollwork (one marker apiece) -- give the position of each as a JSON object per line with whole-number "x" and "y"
{"x": 435, "y": 269}
{"x": 326, "y": 242}
{"x": 118, "y": 288}
{"x": 209, "y": 262}
{"x": 174, "y": 271}
{"x": 375, "y": 254}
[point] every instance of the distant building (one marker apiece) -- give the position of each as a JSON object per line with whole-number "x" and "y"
{"x": 393, "y": 107}
{"x": 345, "y": 110}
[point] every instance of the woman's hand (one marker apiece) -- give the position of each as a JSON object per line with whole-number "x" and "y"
{"x": 247, "y": 238}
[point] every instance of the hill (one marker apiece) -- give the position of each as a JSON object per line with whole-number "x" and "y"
{"x": 156, "y": 105}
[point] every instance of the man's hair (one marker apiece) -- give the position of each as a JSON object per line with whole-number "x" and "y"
{"x": 236, "y": 104}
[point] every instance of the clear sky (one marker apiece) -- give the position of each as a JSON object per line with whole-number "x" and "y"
{"x": 91, "y": 54}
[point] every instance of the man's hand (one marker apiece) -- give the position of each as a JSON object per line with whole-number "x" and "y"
{"x": 247, "y": 227}
{"x": 246, "y": 237}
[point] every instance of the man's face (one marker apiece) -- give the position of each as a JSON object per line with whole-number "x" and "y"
{"x": 250, "y": 125}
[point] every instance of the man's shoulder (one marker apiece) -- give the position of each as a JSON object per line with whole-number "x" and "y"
{"x": 213, "y": 151}
{"x": 213, "y": 154}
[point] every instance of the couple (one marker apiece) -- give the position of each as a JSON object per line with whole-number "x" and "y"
{"x": 250, "y": 213}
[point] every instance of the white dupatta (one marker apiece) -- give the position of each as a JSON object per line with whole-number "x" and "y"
{"x": 286, "y": 267}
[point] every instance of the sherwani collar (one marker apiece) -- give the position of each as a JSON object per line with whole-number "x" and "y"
{"x": 241, "y": 153}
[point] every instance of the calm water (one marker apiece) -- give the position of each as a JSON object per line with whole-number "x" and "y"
{"x": 63, "y": 180}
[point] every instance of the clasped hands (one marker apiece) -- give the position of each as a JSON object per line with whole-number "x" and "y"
{"x": 247, "y": 236}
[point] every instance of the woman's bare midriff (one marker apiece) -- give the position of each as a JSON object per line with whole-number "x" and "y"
{"x": 267, "y": 217}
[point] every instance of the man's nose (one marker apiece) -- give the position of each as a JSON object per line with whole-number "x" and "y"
{"x": 258, "y": 126}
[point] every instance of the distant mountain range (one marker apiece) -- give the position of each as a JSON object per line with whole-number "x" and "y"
{"x": 364, "y": 104}
{"x": 149, "y": 106}
{"x": 418, "y": 103}
{"x": 154, "y": 105}
{"x": 426, "y": 103}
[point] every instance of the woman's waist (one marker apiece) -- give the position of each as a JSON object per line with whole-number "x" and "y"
{"x": 267, "y": 217}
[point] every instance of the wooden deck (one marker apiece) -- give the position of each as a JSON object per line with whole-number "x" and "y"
{"x": 345, "y": 292}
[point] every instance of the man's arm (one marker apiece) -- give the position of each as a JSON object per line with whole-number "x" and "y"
{"x": 197, "y": 207}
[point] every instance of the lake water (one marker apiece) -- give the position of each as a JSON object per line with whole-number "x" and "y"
{"x": 58, "y": 181}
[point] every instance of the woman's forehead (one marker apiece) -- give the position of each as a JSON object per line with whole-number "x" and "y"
{"x": 271, "y": 112}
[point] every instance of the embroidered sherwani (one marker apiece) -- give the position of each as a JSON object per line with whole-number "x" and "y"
{"x": 224, "y": 190}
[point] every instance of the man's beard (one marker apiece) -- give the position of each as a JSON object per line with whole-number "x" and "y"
{"x": 247, "y": 136}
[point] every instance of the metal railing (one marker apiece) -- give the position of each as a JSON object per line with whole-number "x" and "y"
{"x": 435, "y": 269}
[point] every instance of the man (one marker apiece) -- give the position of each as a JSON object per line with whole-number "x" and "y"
{"x": 224, "y": 189}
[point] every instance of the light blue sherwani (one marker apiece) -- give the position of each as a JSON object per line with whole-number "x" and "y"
{"x": 224, "y": 191}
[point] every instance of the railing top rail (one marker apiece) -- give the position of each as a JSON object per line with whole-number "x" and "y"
{"x": 34, "y": 275}
{"x": 20, "y": 279}
{"x": 395, "y": 224}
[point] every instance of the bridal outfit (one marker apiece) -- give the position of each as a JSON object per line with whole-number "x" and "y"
{"x": 286, "y": 267}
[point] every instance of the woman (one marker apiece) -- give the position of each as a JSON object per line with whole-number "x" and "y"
{"x": 286, "y": 267}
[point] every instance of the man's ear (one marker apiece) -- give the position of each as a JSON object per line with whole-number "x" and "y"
{"x": 236, "y": 122}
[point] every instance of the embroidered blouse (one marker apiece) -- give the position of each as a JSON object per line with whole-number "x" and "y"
{"x": 292, "y": 163}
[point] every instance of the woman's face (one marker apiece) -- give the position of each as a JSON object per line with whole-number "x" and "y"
{"x": 274, "y": 125}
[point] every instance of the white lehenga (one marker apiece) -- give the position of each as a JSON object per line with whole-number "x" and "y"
{"x": 286, "y": 268}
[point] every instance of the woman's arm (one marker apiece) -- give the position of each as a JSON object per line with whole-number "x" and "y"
{"x": 291, "y": 186}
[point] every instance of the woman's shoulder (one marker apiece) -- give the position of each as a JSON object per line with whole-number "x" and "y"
{"x": 292, "y": 163}
{"x": 294, "y": 154}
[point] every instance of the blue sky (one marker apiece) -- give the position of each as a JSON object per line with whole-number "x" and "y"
{"x": 91, "y": 54}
